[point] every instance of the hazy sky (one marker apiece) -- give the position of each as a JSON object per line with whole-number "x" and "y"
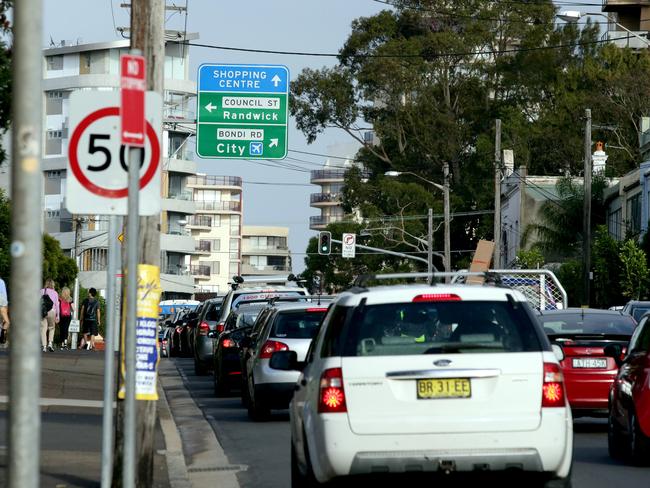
{"x": 284, "y": 25}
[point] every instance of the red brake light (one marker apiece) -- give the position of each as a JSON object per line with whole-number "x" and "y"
{"x": 437, "y": 297}
{"x": 553, "y": 386}
{"x": 316, "y": 310}
{"x": 220, "y": 327}
{"x": 332, "y": 394}
{"x": 270, "y": 347}
{"x": 228, "y": 343}
{"x": 204, "y": 328}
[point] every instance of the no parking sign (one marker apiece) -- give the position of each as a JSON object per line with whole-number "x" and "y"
{"x": 97, "y": 179}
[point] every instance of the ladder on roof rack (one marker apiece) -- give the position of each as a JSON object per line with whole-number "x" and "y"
{"x": 541, "y": 287}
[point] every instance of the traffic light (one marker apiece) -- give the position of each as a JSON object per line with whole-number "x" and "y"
{"x": 325, "y": 243}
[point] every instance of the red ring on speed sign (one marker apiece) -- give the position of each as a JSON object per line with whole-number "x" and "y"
{"x": 83, "y": 179}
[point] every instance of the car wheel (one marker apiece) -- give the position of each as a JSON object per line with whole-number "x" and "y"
{"x": 558, "y": 483}
{"x": 639, "y": 443}
{"x": 199, "y": 369}
{"x": 257, "y": 411}
{"x": 220, "y": 387}
{"x": 298, "y": 480}
{"x": 245, "y": 399}
{"x": 616, "y": 441}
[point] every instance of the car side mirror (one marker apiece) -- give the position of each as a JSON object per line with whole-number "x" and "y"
{"x": 558, "y": 351}
{"x": 284, "y": 361}
{"x": 213, "y": 334}
{"x": 614, "y": 351}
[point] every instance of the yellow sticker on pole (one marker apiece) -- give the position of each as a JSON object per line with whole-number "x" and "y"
{"x": 146, "y": 353}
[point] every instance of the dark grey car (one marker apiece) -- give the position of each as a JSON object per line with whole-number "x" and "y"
{"x": 206, "y": 332}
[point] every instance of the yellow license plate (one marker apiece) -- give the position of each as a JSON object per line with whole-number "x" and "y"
{"x": 444, "y": 388}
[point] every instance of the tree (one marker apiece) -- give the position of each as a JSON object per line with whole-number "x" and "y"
{"x": 530, "y": 258}
{"x": 606, "y": 260}
{"x": 56, "y": 265}
{"x": 635, "y": 273}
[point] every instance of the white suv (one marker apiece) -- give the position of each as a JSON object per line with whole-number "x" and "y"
{"x": 423, "y": 378}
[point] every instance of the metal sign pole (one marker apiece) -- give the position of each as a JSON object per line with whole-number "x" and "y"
{"x": 109, "y": 354}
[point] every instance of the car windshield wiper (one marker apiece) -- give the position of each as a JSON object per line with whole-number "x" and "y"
{"x": 460, "y": 346}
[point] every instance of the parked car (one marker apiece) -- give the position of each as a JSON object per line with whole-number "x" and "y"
{"x": 429, "y": 378}
{"x": 286, "y": 327}
{"x": 583, "y": 334}
{"x": 226, "y": 362}
{"x": 164, "y": 343}
{"x": 636, "y": 308}
{"x": 203, "y": 341}
{"x": 628, "y": 431}
{"x": 179, "y": 336}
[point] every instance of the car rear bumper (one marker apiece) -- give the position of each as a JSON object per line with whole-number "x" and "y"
{"x": 336, "y": 451}
{"x": 203, "y": 350}
{"x": 588, "y": 394}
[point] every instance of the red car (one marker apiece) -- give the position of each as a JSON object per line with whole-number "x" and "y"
{"x": 583, "y": 333}
{"x": 629, "y": 403}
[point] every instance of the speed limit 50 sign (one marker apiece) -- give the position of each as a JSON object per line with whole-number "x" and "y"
{"x": 98, "y": 171}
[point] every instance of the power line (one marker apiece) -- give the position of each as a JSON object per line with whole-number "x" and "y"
{"x": 410, "y": 56}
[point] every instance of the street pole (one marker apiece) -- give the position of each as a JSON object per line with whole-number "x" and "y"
{"x": 26, "y": 247}
{"x": 147, "y": 36}
{"x": 447, "y": 218}
{"x": 75, "y": 293}
{"x": 586, "y": 234}
{"x": 430, "y": 243}
{"x": 109, "y": 353}
{"x": 497, "y": 196}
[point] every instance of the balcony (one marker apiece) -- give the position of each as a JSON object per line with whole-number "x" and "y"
{"x": 180, "y": 201}
{"x": 200, "y": 271}
{"x": 623, "y": 39}
{"x": 214, "y": 181}
{"x": 264, "y": 251}
{"x": 325, "y": 199}
{"x": 177, "y": 241}
{"x": 327, "y": 175}
{"x": 203, "y": 222}
{"x": 176, "y": 270}
{"x": 180, "y": 164}
{"x": 202, "y": 247}
{"x": 248, "y": 269}
{"x": 224, "y": 206}
{"x": 319, "y": 222}
{"x": 615, "y": 5}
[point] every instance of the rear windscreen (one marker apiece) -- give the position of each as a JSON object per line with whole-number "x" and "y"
{"x": 297, "y": 325}
{"x": 396, "y": 329}
{"x": 213, "y": 312}
{"x": 587, "y": 323}
{"x": 639, "y": 312}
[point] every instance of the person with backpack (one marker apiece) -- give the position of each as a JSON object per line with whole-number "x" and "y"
{"x": 49, "y": 314}
{"x": 90, "y": 317}
{"x": 65, "y": 313}
{"x": 4, "y": 315}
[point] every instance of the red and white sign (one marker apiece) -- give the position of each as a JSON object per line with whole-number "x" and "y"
{"x": 349, "y": 246}
{"x": 133, "y": 85}
{"x": 97, "y": 177}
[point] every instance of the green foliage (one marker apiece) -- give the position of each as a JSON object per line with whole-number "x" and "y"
{"x": 530, "y": 259}
{"x": 570, "y": 275}
{"x": 56, "y": 265}
{"x": 606, "y": 264}
{"x": 635, "y": 273}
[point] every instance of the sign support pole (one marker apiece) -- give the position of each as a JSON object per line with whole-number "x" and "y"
{"x": 109, "y": 353}
{"x": 26, "y": 248}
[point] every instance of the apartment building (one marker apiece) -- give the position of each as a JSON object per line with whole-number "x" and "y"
{"x": 68, "y": 68}
{"x": 265, "y": 251}
{"x": 633, "y": 15}
{"x": 216, "y": 229}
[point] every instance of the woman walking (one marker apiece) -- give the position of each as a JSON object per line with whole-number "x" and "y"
{"x": 50, "y": 315}
{"x": 65, "y": 315}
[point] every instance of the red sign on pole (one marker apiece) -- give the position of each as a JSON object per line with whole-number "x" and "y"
{"x": 133, "y": 85}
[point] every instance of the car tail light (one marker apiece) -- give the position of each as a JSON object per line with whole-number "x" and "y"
{"x": 164, "y": 342}
{"x": 437, "y": 297}
{"x": 220, "y": 327}
{"x": 204, "y": 328}
{"x": 228, "y": 343}
{"x": 332, "y": 395}
{"x": 553, "y": 386}
{"x": 270, "y": 347}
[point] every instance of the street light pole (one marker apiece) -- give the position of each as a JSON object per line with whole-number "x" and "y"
{"x": 430, "y": 243}
{"x": 586, "y": 234}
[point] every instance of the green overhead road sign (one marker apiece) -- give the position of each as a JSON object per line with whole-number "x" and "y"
{"x": 242, "y": 111}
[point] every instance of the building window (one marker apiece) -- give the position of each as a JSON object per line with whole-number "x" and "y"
{"x": 54, "y": 62}
{"x": 234, "y": 248}
{"x": 614, "y": 221}
{"x": 233, "y": 268}
{"x": 234, "y": 225}
{"x": 634, "y": 214}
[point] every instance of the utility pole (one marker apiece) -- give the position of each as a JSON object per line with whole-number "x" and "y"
{"x": 147, "y": 36}
{"x": 76, "y": 222}
{"x": 430, "y": 243}
{"x": 26, "y": 247}
{"x": 586, "y": 234}
{"x": 497, "y": 195}
{"x": 447, "y": 249}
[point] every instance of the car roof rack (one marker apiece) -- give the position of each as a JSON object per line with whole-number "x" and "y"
{"x": 490, "y": 277}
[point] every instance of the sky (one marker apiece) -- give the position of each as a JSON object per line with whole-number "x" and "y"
{"x": 282, "y": 25}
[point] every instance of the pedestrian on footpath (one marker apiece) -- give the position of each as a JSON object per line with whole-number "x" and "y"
{"x": 90, "y": 318}
{"x": 50, "y": 314}
{"x": 4, "y": 314}
{"x": 66, "y": 308}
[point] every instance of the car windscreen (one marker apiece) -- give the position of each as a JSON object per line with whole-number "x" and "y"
{"x": 213, "y": 312}
{"x": 395, "y": 329}
{"x": 263, "y": 296}
{"x": 587, "y": 324}
{"x": 638, "y": 312}
{"x": 301, "y": 324}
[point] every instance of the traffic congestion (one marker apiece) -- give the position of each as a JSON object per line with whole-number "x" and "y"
{"x": 428, "y": 380}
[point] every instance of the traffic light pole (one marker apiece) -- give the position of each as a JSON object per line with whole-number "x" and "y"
{"x": 391, "y": 253}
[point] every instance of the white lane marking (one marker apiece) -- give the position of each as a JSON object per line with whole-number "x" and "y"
{"x": 64, "y": 402}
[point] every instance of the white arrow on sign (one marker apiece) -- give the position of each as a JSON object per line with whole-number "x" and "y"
{"x": 274, "y": 142}
{"x": 209, "y": 107}
{"x": 276, "y": 80}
